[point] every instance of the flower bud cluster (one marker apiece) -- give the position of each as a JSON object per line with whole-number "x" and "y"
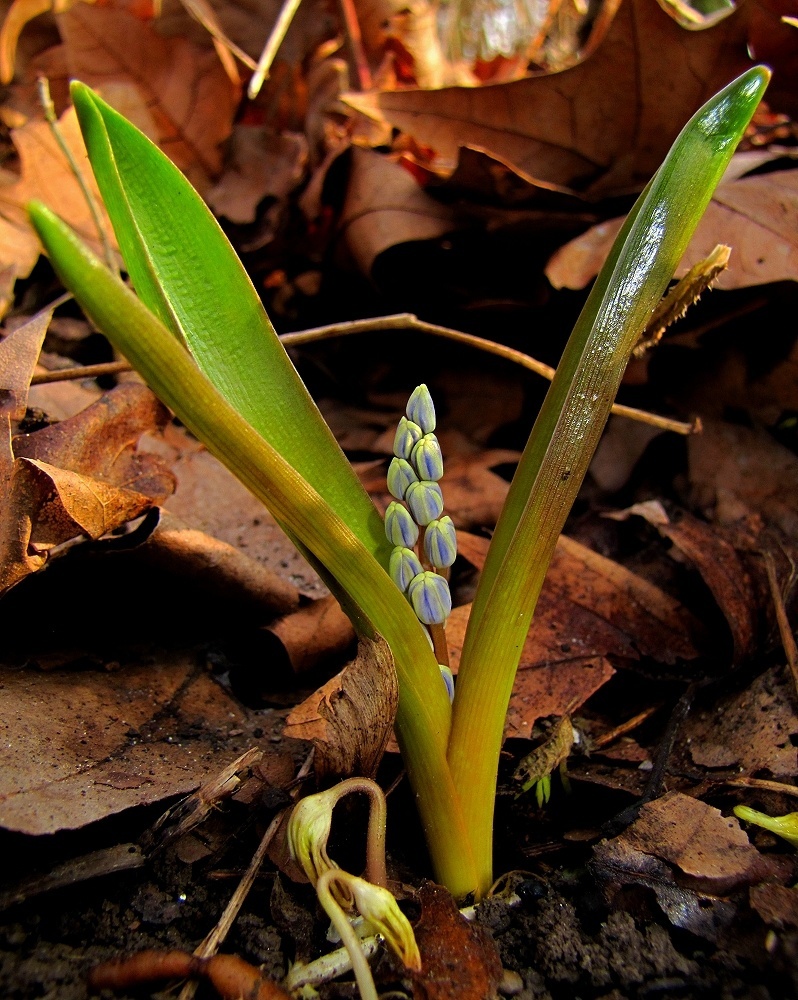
{"x": 413, "y": 480}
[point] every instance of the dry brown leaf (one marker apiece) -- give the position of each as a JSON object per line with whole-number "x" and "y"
{"x": 749, "y": 732}
{"x": 385, "y": 206}
{"x": 210, "y": 498}
{"x": 19, "y": 352}
{"x": 706, "y": 846}
{"x": 81, "y": 746}
{"x": 734, "y": 470}
{"x": 350, "y": 718}
{"x": 602, "y": 127}
{"x": 100, "y": 442}
{"x": 754, "y": 215}
{"x": 590, "y": 608}
{"x": 313, "y": 633}
{"x": 47, "y": 176}
{"x": 691, "y": 857}
{"x": 178, "y": 94}
{"x": 216, "y": 568}
{"x": 620, "y": 869}
{"x": 261, "y": 164}
{"x": 777, "y": 905}
{"x": 458, "y": 958}
{"x": 720, "y": 564}
{"x": 79, "y": 477}
{"x": 474, "y": 494}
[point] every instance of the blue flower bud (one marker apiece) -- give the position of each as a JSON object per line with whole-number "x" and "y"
{"x": 424, "y": 499}
{"x": 407, "y": 433}
{"x": 448, "y": 680}
{"x": 404, "y": 567}
{"x": 400, "y": 528}
{"x": 427, "y": 459}
{"x": 421, "y": 409}
{"x": 400, "y": 477}
{"x": 440, "y": 542}
{"x": 430, "y": 597}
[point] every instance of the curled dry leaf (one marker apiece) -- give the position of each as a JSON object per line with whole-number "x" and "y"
{"x": 312, "y": 633}
{"x": 177, "y": 93}
{"x": 721, "y": 565}
{"x": 704, "y": 845}
{"x": 79, "y": 477}
{"x": 84, "y": 745}
{"x": 231, "y": 976}
{"x": 601, "y": 128}
{"x": 754, "y": 215}
{"x": 216, "y": 568}
{"x": 385, "y": 206}
{"x": 691, "y": 856}
{"x": 350, "y": 718}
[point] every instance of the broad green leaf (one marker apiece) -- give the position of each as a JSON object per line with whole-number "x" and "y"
{"x": 185, "y": 270}
{"x": 567, "y": 432}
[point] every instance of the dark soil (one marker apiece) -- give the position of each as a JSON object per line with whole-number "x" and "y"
{"x": 558, "y": 935}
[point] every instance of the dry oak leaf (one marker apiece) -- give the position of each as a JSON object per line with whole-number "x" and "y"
{"x": 600, "y": 128}
{"x": 176, "y": 93}
{"x": 79, "y": 746}
{"x": 756, "y": 216}
{"x": 46, "y": 175}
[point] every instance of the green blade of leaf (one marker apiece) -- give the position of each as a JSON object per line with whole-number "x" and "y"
{"x": 424, "y": 711}
{"x": 567, "y": 431}
{"x": 185, "y": 270}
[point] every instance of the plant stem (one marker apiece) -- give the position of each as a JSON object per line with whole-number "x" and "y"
{"x": 365, "y": 981}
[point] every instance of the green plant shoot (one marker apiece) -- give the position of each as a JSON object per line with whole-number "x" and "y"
{"x": 200, "y": 337}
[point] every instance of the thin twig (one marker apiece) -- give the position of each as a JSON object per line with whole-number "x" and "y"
{"x": 625, "y": 727}
{"x": 273, "y": 43}
{"x": 785, "y": 631}
{"x": 409, "y": 321}
{"x": 214, "y": 940}
{"x": 84, "y": 371}
{"x": 52, "y": 120}
{"x": 656, "y": 778}
{"x": 204, "y": 13}
{"x": 763, "y": 784}
{"x": 354, "y": 40}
